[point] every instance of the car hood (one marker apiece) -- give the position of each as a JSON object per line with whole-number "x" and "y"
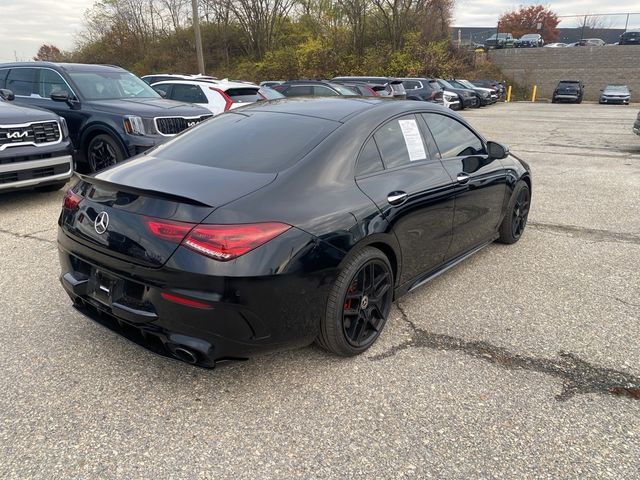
{"x": 148, "y": 107}
{"x": 11, "y": 114}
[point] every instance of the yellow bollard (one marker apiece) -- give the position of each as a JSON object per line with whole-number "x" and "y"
{"x": 508, "y": 93}
{"x": 533, "y": 94}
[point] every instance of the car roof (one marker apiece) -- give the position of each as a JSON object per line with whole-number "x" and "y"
{"x": 338, "y": 109}
{"x": 222, "y": 85}
{"x": 71, "y": 67}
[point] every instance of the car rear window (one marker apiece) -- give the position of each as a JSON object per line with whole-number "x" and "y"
{"x": 260, "y": 142}
{"x": 243, "y": 95}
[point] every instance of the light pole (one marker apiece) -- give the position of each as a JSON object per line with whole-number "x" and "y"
{"x": 196, "y": 30}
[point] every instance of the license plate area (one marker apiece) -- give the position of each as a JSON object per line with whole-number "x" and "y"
{"x": 103, "y": 287}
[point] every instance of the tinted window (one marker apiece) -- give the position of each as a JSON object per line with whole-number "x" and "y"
{"x": 298, "y": 91}
{"x": 452, "y": 137}
{"x": 260, "y": 142}
{"x": 50, "y": 82}
{"x": 162, "y": 89}
{"x": 411, "y": 84}
{"x": 22, "y": 81}
{"x": 187, "y": 93}
{"x": 400, "y": 142}
{"x": 369, "y": 160}
{"x": 243, "y": 95}
{"x": 321, "y": 91}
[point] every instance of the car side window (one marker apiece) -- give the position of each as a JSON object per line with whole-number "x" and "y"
{"x": 411, "y": 85}
{"x": 452, "y": 137}
{"x": 50, "y": 82}
{"x": 400, "y": 142}
{"x": 369, "y": 160}
{"x": 187, "y": 94}
{"x": 3, "y": 77}
{"x": 163, "y": 90}
{"x": 298, "y": 91}
{"x": 322, "y": 91}
{"x": 22, "y": 81}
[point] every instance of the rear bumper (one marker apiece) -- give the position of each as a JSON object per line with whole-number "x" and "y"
{"x": 236, "y": 317}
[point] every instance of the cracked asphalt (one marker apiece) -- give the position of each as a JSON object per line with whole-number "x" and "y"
{"x": 521, "y": 362}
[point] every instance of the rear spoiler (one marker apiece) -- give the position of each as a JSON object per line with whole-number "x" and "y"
{"x": 141, "y": 191}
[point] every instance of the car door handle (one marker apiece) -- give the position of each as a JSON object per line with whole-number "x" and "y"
{"x": 463, "y": 178}
{"x": 397, "y": 198}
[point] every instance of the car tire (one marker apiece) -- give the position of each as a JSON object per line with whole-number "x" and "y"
{"x": 553, "y": 100}
{"x": 103, "y": 151}
{"x": 52, "y": 187}
{"x": 515, "y": 219}
{"x": 358, "y": 304}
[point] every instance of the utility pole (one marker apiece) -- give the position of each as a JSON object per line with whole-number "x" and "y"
{"x": 196, "y": 30}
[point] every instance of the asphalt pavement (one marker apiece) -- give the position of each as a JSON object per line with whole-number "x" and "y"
{"x": 521, "y": 362}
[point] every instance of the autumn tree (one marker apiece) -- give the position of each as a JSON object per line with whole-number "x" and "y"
{"x": 532, "y": 19}
{"x": 49, "y": 53}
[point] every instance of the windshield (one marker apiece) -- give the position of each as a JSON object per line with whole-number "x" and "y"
{"x": 270, "y": 94}
{"x": 617, "y": 88}
{"x": 111, "y": 85}
{"x": 530, "y": 36}
{"x": 344, "y": 90}
{"x": 445, "y": 84}
{"x": 466, "y": 83}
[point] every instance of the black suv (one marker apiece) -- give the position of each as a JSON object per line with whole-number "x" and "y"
{"x": 111, "y": 113}
{"x": 425, "y": 89}
{"x": 568, "y": 91}
{"x": 35, "y": 150}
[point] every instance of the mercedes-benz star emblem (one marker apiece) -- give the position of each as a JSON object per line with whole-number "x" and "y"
{"x": 101, "y": 223}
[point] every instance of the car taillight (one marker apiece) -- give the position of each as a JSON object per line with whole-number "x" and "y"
{"x": 226, "y": 242}
{"x": 220, "y": 242}
{"x": 170, "y": 231}
{"x": 71, "y": 200}
{"x": 227, "y": 99}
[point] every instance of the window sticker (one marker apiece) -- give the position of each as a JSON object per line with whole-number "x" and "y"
{"x": 413, "y": 140}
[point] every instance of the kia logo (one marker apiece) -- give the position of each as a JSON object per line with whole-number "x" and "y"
{"x": 17, "y": 135}
{"x": 191, "y": 124}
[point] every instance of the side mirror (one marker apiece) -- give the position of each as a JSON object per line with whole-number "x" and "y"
{"x": 60, "y": 96}
{"x": 7, "y": 95}
{"x": 497, "y": 150}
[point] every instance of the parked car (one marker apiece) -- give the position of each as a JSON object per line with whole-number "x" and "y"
{"x": 493, "y": 85}
{"x": 307, "y": 232}
{"x": 111, "y": 113}
{"x": 486, "y": 96}
{"x": 468, "y": 98}
{"x": 364, "y": 89}
{"x": 636, "y": 125}
{"x": 451, "y": 100}
{"x": 615, "y": 94}
{"x": 217, "y": 97}
{"x": 316, "y": 88}
{"x": 570, "y": 91}
{"x": 393, "y": 86}
{"x": 556, "y": 45}
{"x": 269, "y": 94}
{"x": 630, "y": 37}
{"x": 499, "y": 40}
{"x": 591, "y": 42}
{"x": 35, "y": 148}
{"x": 530, "y": 40}
{"x": 424, "y": 89}
{"x": 271, "y": 83}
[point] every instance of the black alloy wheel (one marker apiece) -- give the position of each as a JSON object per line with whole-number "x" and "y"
{"x": 103, "y": 152}
{"x": 515, "y": 220}
{"x": 358, "y": 305}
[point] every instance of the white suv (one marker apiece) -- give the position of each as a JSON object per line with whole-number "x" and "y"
{"x": 217, "y": 96}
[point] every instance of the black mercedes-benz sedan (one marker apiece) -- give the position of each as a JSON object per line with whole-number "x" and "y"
{"x": 281, "y": 223}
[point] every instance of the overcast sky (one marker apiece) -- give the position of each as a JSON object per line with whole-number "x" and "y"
{"x": 27, "y": 24}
